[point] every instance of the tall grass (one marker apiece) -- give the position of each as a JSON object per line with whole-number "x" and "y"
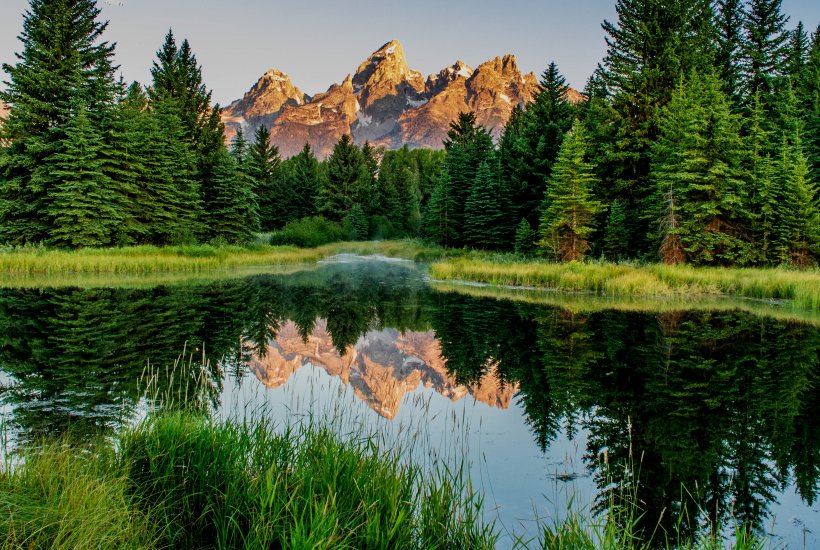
{"x": 149, "y": 260}
{"x": 800, "y": 287}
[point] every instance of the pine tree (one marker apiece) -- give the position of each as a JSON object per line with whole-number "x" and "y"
{"x": 264, "y": 167}
{"x": 398, "y": 184}
{"x": 64, "y": 62}
{"x": 169, "y": 203}
{"x": 346, "y": 174}
{"x": 356, "y": 223}
{"x": 807, "y": 91}
{"x": 525, "y": 237}
{"x": 798, "y": 228}
{"x": 232, "y": 205}
{"x": 485, "y": 223}
{"x": 531, "y": 143}
{"x": 297, "y": 195}
{"x": 761, "y": 200}
{"x": 729, "y": 23}
{"x": 85, "y": 208}
{"x": 649, "y": 48}
{"x": 616, "y": 235}
{"x": 796, "y": 53}
{"x": 698, "y": 176}
{"x": 764, "y": 47}
{"x": 438, "y": 220}
{"x": 569, "y": 208}
{"x": 468, "y": 144}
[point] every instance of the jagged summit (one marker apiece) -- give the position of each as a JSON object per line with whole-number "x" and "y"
{"x": 384, "y": 102}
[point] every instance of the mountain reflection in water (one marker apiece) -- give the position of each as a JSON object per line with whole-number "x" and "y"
{"x": 716, "y": 409}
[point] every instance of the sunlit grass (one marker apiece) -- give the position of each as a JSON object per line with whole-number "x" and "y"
{"x": 660, "y": 281}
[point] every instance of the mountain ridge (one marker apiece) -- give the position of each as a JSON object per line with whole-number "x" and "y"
{"x": 384, "y": 102}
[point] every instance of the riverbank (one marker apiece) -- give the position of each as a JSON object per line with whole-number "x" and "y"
{"x": 32, "y": 266}
{"x": 802, "y": 288}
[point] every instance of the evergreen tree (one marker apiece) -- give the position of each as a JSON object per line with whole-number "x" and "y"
{"x": 232, "y": 205}
{"x": 698, "y": 176}
{"x": 438, "y": 221}
{"x": 807, "y": 91}
{"x": 525, "y": 237}
{"x": 85, "y": 208}
{"x": 569, "y": 208}
{"x": 398, "y": 185}
{"x": 485, "y": 220}
{"x": 763, "y": 196}
{"x": 729, "y": 24}
{"x": 764, "y": 47}
{"x": 468, "y": 144}
{"x": 616, "y": 235}
{"x": 649, "y": 48}
{"x": 169, "y": 203}
{"x": 797, "y": 52}
{"x": 264, "y": 167}
{"x": 798, "y": 228}
{"x": 356, "y": 223}
{"x": 347, "y": 173}
{"x": 64, "y": 62}
{"x": 531, "y": 156}
{"x": 298, "y": 193}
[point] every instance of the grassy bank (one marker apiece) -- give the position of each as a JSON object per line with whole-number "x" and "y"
{"x": 142, "y": 260}
{"x": 659, "y": 281}
{"x": 181, "y": 480}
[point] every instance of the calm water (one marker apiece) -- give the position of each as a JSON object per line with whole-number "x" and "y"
{"x": 715, "y": 411}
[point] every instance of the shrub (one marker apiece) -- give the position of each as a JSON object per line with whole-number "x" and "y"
{"x": 310, "y": 233}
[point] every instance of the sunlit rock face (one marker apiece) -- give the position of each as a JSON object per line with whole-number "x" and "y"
{"x": 381, "y": 368}
{"x": 385, "y": 103}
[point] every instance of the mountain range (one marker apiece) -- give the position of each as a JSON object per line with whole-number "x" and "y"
{"x": 383, "y": 102}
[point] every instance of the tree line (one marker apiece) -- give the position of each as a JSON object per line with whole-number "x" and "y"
{"x": 697, "y": 140}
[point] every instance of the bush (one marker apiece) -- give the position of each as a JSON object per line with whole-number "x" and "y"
{"x": 309, "y": 233}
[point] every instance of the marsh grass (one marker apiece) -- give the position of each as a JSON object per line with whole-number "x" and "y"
{"x": 27, "y": 263}
{"x": 802, "y": 288}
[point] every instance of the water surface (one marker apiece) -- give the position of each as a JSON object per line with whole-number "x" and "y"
{"x": 706, "y": 416}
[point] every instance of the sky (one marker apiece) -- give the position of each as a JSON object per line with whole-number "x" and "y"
{"x": 318, "y": 43}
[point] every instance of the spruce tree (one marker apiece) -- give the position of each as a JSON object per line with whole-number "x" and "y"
{"x": 697, "y": 170}
{"x": 798, "y": 227}
{"x": 807, "y": 91}
{"x": 468, "y": 144}
{"x": 796, "y": 53}
{"x": 264, "y": 166}
{"x": 729, "y": 26}
{"x": 485, "y": 218}
{"x": 297, "y": 195}
{"x": 356, "y": 223}
{"x": 439, "y": 226}
{"x": 760, "y": 208}
{"x": 346, "y": 174}
{"x": 616, "y": 235}
{"x": 63, "y": 62}
{"x": 543, "y": 125}
{"x": 764, "y": 47}
{"x": 85, "y": 208}
{"x": 569, "y": 208}
{"x": 525, "y": 237}
{"x": 232, "y": 205}
{"x": 650, "y": 46}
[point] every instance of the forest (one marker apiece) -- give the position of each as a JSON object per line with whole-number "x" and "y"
{"x": 697, "y": 141}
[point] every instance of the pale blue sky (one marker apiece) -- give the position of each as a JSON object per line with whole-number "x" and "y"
{"x": 319, "y": 42}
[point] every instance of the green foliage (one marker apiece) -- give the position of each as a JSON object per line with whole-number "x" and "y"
{"x": 310, "y": 232}
{"x": 616, "y": 235}
{"x": 296, "y": 192}
{"x": 231, "y": 204}
{"x": 698, "y": 177}
{"x": 85, "y": 207}
{"x": 486, "y": 223}
{"x": 64, "y": 63}
{"x": 569, "y": 208}
{"x": 525, "y": 237}
{"x": 764, "y": 47}
{"x": 531, "y": 141}
{"x": 356, "y": 223}
{"x": 347, "y": 180}
{"x": 798, "y": 208}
